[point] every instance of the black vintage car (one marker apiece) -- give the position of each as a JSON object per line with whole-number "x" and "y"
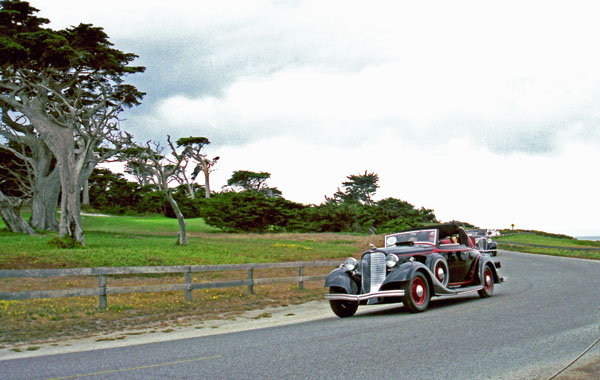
{"x": 483, "y": 241}
{"x": 414, "y": 265}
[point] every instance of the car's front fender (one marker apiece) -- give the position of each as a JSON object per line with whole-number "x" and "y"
{"x": 402, "y": 274}
{"x": 341, "y": 278}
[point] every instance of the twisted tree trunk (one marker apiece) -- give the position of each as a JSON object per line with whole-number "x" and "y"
{"x": 10, "y": 209}
{"x": 61, "y": 142}
{"x": 44, "y": 202}
{"x": 206, "y": 171}
{"x": 182, "y": 237}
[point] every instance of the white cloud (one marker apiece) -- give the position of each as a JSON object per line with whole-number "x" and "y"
{"x": 313, "y": 91}
{"x": 347, "y": 108}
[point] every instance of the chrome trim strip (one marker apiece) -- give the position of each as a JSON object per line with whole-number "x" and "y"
{"x": 362, "y": 297}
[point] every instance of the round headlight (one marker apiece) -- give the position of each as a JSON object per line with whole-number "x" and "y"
{"x": 391, "y": 260}
{"x": 350, "y": 263}
{"x": 489, "y": 240}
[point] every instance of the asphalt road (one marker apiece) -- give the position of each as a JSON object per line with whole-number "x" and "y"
{"x": 544, "y": 316}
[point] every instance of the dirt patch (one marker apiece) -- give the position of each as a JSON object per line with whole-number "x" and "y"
{"x": 269, "y": 316}
{"x": 582, "y": 370}
{"x": 39, "y": 321}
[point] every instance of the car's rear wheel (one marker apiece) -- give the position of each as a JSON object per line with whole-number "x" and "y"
{"x": 342, "y": 309}
{"x": 416, "y": 293}
{"x": 487, "y": 282}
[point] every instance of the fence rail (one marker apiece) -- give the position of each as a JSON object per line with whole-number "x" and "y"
{"x": 187, "y": 270}
{"x": 587, "y": 249}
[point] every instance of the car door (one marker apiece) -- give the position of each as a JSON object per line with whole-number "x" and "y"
{"x": 460, "y": 264}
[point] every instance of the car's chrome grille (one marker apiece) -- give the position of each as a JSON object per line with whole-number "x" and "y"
{"x": 482, "y": 244}
{"x": 373, "y": 271}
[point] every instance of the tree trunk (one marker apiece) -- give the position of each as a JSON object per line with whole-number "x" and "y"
{"x": 85, "y": 193}
{"x": 182, "y": 238}
{"x": 190, "y": 187}
{"x": 45, "y": 202}
{"x": 206, "y": 169}
{"x": 61, "y": 142}
{"x": 84, "y": 175}
{"x": 70, "y": 207}
{"x": 10, "y": 209}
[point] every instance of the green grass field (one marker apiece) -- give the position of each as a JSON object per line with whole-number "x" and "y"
{"x": 550, "y": 240}
{"x": 134, "y": 241}
{"x": 140, "y": 241}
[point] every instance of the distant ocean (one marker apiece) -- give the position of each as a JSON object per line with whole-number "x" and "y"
{"x": 594, "y": 238}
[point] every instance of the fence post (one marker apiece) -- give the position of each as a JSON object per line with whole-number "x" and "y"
{"x": 301, "y": 275}
{"x": 102, "y": 304}
{"x": 188, "y": 282}
{"x": 251, "y": 278}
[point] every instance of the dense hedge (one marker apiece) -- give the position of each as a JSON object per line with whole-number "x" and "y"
{"x": 254, "y": 212}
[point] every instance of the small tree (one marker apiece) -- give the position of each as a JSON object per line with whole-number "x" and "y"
{"x": 164, "y": 171}
{"x": 252, "y": 181}
{"x": 140, "y": 172}
{"x": 193, "y": 152}
{"x": 247, "y": 180}
{"x": 359, "y": 188}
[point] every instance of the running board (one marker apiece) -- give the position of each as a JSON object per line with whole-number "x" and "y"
{"x": 362, "y": 297}
{"x": 459, "y": 291}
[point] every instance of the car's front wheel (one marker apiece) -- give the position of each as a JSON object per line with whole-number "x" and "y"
{"x": 416, "y": 293}
{"x": 440, "y": 271}
{"x": 488, "y": 283}
{"x": 341, "y": 308}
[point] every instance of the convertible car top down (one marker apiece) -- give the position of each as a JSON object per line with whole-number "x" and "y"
{"x": 414, "y": 265}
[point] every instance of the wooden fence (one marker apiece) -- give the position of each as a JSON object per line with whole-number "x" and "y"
{"x": 187, "y": 270}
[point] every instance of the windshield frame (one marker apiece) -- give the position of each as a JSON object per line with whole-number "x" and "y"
{"x": 416, "y": 237}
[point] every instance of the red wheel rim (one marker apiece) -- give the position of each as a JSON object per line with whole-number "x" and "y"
{"x": 440, "y": 273}
{"x": 487, "y": 280}
{"x": 418, "y": 291}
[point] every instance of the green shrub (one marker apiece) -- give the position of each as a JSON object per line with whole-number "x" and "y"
{"x": 65, "y": 242}
{"x": 248, "y": 211}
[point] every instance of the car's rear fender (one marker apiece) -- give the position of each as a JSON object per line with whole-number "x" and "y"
{"x": 487, "y": 261}
{"x": 341, "y": 278}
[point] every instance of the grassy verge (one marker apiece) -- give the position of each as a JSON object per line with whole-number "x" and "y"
{"x": 133, "y": 241}
{"x": 552, "y": 241}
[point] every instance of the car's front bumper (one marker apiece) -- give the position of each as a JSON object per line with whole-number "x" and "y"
{"x": 364, "y": 297}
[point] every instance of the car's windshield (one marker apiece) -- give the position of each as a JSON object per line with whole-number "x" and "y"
{"x": 421, "y": 236}
{"x": 477, "y": 233}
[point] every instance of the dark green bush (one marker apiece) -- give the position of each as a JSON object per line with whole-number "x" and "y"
{"x": 248, "y": 211}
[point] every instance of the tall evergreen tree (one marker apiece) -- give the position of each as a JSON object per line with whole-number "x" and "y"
{"x": 69, "y": 84}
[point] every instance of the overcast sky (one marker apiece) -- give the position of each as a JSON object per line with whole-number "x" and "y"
{"x": 487, "y": 112}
